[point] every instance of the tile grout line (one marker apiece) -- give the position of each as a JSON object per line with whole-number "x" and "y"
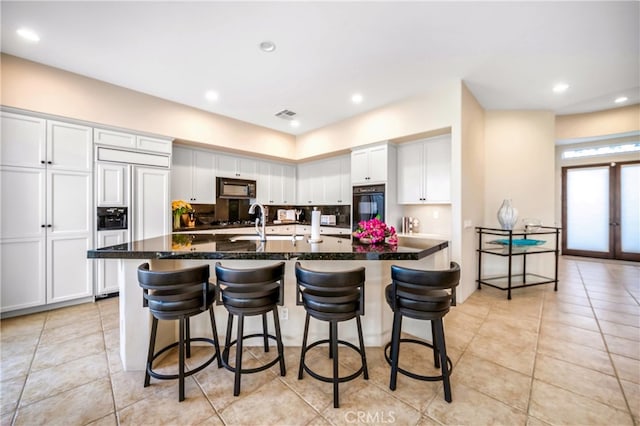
{"x": 15, "y": 413}
{"x": 104, "y": 345}
{"x": 617, "y": 376}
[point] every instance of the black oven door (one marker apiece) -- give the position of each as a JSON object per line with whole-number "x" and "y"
{"x": 368, "y": 203}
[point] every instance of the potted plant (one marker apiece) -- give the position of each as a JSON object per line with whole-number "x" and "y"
{"x": 179, "y": 207}
{"x": 375, "y": 231}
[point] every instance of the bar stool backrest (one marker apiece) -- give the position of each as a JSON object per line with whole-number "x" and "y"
{"x": 343, "y": 287}
{"x": 264, "y": 282}
{"x": 170, "y": 294}
{"x": 426, "y": 288}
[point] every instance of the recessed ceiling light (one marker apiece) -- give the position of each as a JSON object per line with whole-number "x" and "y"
{"x": 267, "y": 46}
{"x": 295, "y": 123}
{"x": 211, "y": 95}
{"x": 28, "y": 35}
{"x": 621, "y": 99}
{"x": 357, "y": 98}
{"x": 560, "y": 87}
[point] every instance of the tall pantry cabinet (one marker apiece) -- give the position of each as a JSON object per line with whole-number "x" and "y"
{"x": 46, "y": 210}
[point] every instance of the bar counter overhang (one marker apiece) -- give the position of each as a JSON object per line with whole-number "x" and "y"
{"x": 334, "y": 253}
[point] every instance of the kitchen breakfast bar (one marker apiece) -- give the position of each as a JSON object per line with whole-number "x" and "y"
{"x": 333, "y": 253}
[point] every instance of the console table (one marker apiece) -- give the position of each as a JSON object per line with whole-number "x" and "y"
{"x": 511, "y": 243}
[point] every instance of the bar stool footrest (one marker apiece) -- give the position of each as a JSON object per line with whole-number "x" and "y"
{"x": 387, "y": 349}
{"x": 160, "y": 376}
{"x": 330, "y": 379}
{"x": 225, "y": 356}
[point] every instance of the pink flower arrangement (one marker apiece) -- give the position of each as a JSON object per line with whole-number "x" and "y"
{"x": 376, "y": 231}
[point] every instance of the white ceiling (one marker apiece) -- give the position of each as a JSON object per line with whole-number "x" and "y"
{"x": 509, "y": 54}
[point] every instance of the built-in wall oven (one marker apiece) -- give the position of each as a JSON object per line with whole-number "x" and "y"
{"x": 368, "y": 202}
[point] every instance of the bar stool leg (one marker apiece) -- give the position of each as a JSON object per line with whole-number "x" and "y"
{"x": 395, "y": 349}
{"x": 363, "y": 355}
{"x": 303, "y": 351}
{"x": 334, "y": 350}
{"x": 330, "y": 340}
{"x": 434, "y": 337}
{"x": 188, "y": 336}
{"x": 236, "y": 382}
{"x": 276, "y": 322}
{"x": 265, "y": 332}
{"x": 443, "y": 359}
{"x": 181, "y": 361}
{"x": 152, "y": 347}
{"x": 214, "y": 330}
{"x": 227, "y": 339}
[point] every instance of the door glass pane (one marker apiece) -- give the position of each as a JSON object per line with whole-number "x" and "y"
{"x": 630, "y": 208}
{"x": 588, "y": 209}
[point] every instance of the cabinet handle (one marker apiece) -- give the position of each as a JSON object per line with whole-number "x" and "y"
{"x": 49, "y": 162}
{"x": 42, "y": 162}
{"x": 43, "y": 226}
{"x": 49, "y": 226}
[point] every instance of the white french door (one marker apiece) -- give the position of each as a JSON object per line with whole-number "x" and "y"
{"x": 601, "y": 210}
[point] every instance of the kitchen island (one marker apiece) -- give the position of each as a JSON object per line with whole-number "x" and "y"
{"x": 334, "y": 253}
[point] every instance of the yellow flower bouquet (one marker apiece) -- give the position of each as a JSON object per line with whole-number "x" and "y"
{"x": 179, "y": 207}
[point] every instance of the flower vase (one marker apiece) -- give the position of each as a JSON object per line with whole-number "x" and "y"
{"x": 176, "y": 221}
{"x": 507, "y": 215}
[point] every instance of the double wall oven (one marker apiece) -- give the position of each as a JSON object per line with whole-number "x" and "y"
{"x": 368, "y": 203}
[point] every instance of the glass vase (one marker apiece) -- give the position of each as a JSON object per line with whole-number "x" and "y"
{"x": 507, "y": 215}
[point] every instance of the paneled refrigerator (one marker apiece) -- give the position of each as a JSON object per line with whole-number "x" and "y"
{"x": 134, "y": 184}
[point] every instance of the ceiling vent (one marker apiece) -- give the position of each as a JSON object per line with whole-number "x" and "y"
{"x": 285, "y": 114}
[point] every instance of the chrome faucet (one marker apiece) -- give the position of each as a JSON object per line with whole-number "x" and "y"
{"x": 262, "y": 233}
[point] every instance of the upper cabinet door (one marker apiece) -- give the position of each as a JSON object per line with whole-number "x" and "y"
{"x": 182, "y": 174}
{"x": 236, "y": 167}
{"x": 69, "y": 146}
{"x": 369, "y": 165}
{"x": 23, "y": 207}
{"x": 69, "y": 208}
{"x": 22, "y": 140}
{"x": 438, "y": 170}
{"x": 410, "y": 173}
{"x": 151, "y": 207}
{"x": 289, "y": 184}
{"x": 204, "y": 177}
{"x": 111, "y": 185}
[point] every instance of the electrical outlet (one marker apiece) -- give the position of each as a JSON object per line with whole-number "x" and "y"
{"x": 284, "y": 314}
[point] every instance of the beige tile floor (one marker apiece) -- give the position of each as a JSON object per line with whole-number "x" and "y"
{"x": 571, "y": 357}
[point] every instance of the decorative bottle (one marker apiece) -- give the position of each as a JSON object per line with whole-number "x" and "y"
{"x": 507, "y": 215}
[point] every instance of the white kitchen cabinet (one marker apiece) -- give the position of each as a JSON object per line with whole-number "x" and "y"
{"x": 131, "y": 141}
{"x": 45, "y": 240}
{"x": 112, "y": 189}
{"x": 424, "y": 171}
{"x": 35, "y": 142}
{"x": 151, "y": 206}
{"x": 325, "y": 182}
{"x": 276, "y": 183}
{"x": 310, "y": 183}
{"x": 107, "y": 269}
{"x": 193, "y": 176}
{"x": 337, "y": 180}
{"x": 235, "y": 167}
{"x": 23, "y": 140}
{"x": 369, "y": 165}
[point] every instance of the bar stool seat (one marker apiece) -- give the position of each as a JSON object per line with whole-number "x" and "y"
{"x": 333, "y": 297}
{"x": 178, "y": 295}
{"x": 422, "y": 295}
{"x": 250, "y": 292}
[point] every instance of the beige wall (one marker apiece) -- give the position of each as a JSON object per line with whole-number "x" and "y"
{"x": 436, "y": 110}
{"x": 472, "y": 184}
{"x": 35, "y": 87}
{"x": 609, "y": 122}
{"x": 519, "y": 164}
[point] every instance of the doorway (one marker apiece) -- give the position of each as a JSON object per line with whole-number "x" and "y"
{"x": 601, "y": 210}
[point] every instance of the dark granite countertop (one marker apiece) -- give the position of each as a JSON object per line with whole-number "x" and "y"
{"x": 226, "y": 246}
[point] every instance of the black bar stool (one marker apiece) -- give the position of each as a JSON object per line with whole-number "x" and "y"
{"x": 178, "y": 295}
{"x": 332, "y": 297}
{"x": 249, "y": 292}
{"x": 423, "y": 295}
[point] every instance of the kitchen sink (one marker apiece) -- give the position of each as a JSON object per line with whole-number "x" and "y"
{"x": 269, "y": 238}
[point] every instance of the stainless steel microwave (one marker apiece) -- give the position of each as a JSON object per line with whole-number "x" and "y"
{"x": 236, "y": 188}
